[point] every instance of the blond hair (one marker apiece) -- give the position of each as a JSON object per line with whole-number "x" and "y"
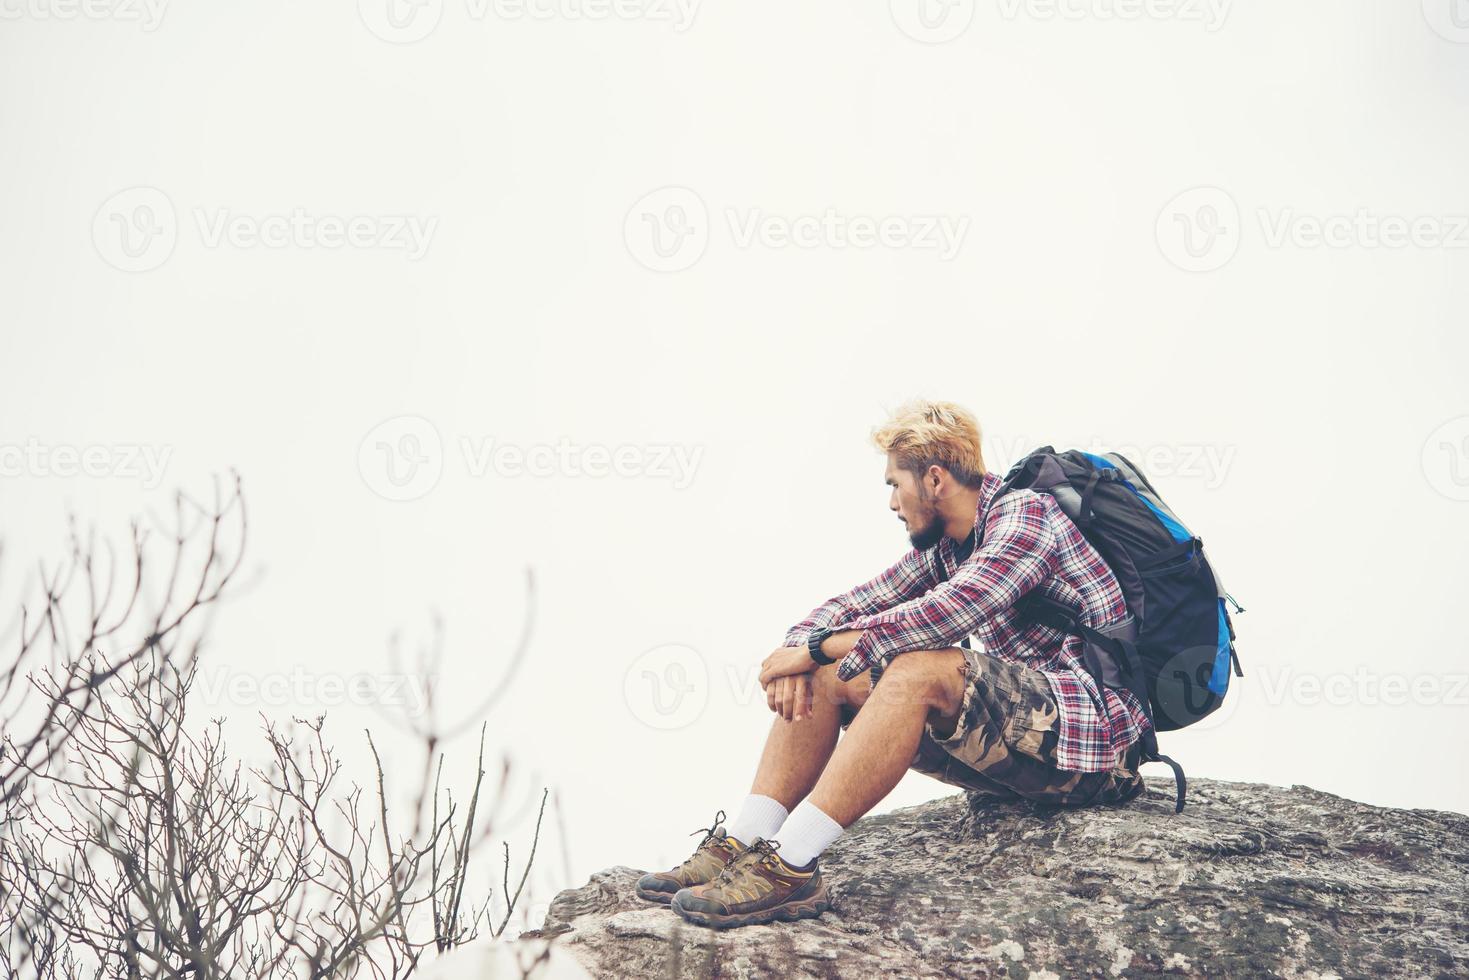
{"x": 921, "y": 433}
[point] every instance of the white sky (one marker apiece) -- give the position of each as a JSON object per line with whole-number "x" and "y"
{"x": 1305, "y": 403}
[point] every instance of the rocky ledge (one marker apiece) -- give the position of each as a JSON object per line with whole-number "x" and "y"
{"x": 1250, "y": 880}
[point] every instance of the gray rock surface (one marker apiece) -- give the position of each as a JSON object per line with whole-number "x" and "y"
{"x": 1250, "y": 880}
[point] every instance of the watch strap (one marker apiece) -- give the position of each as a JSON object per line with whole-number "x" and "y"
{"x": 813, "y": 646}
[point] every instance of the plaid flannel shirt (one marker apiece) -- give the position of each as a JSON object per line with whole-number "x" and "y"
{"x": 1028, "y": 544}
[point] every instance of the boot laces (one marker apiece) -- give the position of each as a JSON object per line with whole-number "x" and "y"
{"x": 760, "y": 852}
{"x": 708, "y": 832}
{"x": 709, "y": 835}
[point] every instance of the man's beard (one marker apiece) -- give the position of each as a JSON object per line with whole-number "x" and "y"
{"x": 931, "y": 533}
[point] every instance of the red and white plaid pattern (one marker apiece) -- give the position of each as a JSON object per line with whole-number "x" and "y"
{"x": 1028, "y": 544}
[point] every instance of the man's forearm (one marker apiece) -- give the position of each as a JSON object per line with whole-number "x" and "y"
{"x": 830, "y": 611}
{"x": 907, "y": 579}
{"x": 838, "y": 645}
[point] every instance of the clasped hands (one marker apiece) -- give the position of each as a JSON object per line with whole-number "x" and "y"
{"x": 786, "y": 676}
{"x": 788, "y": 673}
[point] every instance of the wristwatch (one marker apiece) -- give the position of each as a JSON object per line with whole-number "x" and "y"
{"x": 813, "y": 646}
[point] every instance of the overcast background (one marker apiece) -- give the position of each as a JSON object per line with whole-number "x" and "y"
{"x": 616, "y": 293}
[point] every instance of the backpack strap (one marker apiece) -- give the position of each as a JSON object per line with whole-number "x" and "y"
{"x": 1085, "y": 519}
{"x": 1123, "y": 648}
{"x": 1060, "y": 616}
{"x": 1132, "y": 663}
{"x": 1150, "y": 753}
{"x": 1022, "y": 474}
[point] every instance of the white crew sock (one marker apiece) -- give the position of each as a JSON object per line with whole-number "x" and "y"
{"x": 806, "y": 833}
{"x": 759, "y": 816}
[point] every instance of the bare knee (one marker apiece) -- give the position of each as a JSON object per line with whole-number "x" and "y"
{"x": 934, "y": 678}
{"x": 827, "y": 686}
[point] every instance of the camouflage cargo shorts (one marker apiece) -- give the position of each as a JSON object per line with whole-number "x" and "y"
{"x": 1004, "y": 743}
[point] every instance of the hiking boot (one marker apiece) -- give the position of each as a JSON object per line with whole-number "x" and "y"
{"x": 715, "y": 851}
{"x": 757, "y": 886}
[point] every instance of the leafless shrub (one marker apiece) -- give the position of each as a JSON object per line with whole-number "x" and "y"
{"x": 94, "y": 600}
{"x": 134, "y": 844}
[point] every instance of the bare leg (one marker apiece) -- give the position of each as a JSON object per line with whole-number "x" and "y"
{"x": 881, "y": 741}
{"x": 846, "y": 781}
{"x": 797, "y": 751}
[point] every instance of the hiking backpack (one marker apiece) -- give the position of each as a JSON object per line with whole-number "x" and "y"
{"x": 1176, "y": 652}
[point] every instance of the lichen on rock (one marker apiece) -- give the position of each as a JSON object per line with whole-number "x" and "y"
{"x": 1250, "y": 880}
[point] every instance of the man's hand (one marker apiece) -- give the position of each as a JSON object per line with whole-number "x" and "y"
{"x": 790, "y": 697}
{"x": 786, "y": 677}
{"x": 786, "y": 662}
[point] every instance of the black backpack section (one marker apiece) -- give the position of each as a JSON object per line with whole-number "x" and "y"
{"x": 1175, "y": 652}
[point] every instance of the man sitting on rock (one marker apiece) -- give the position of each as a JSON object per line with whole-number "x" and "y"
{"x": 1021, "y": 717}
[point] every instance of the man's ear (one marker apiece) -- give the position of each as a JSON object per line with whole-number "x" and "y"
{"x": 934, "y": 478}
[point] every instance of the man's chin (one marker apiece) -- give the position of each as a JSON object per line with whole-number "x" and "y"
{"x": 927, "y": 538}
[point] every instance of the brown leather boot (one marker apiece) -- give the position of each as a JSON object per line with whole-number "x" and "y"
{"x": 715, "y": 851}
{"x": 756, "y": 887}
